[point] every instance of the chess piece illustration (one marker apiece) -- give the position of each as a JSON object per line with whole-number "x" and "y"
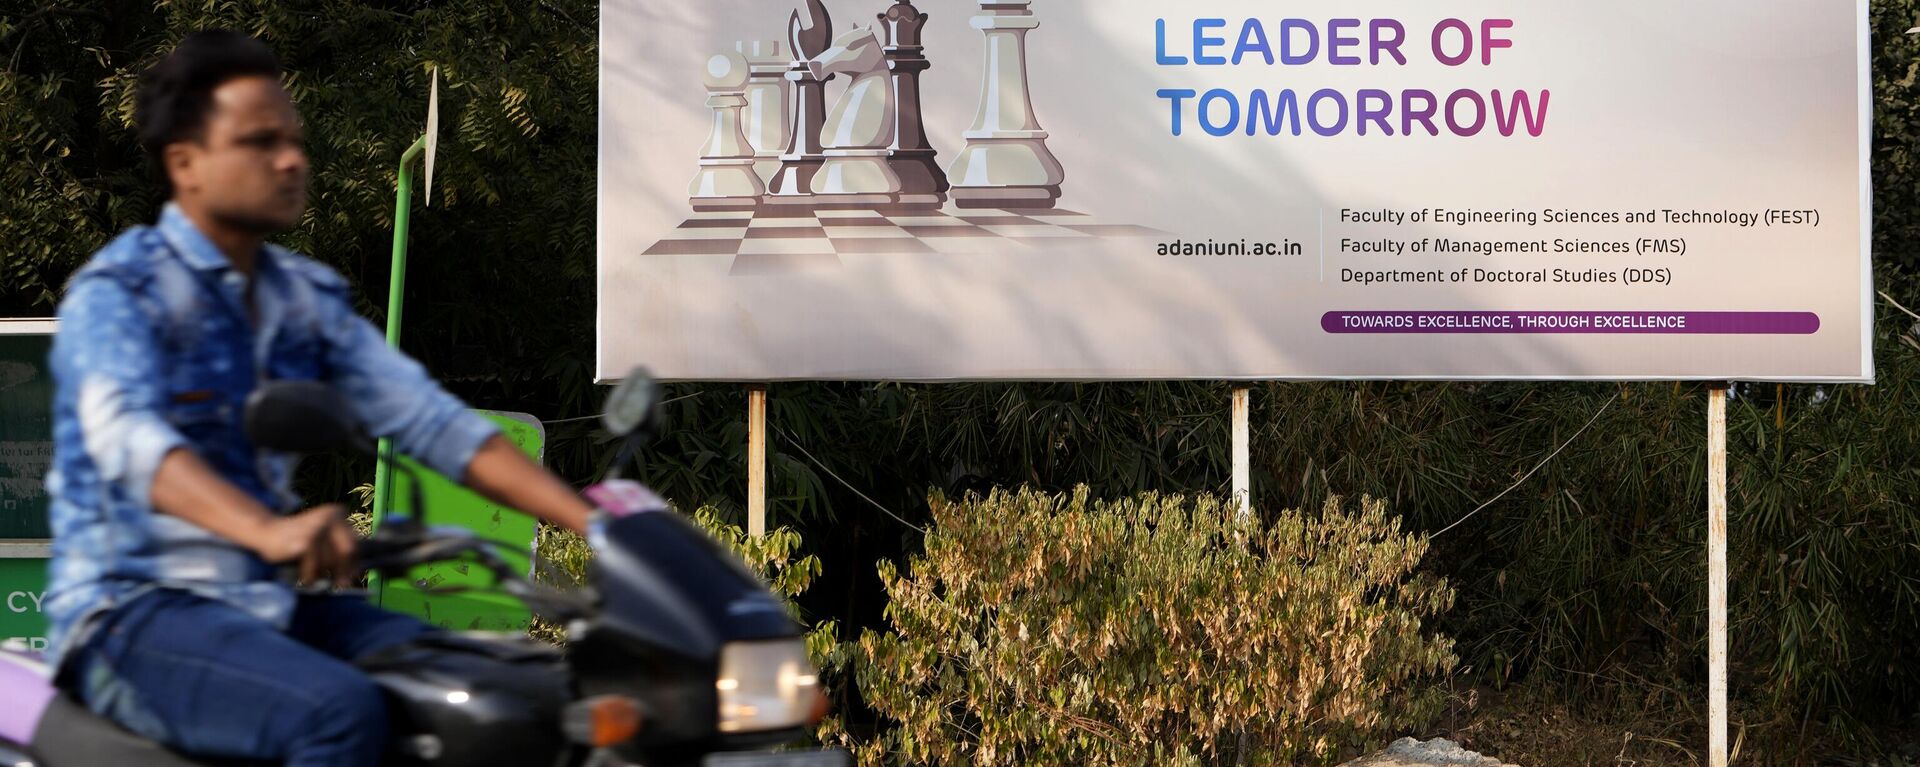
{"x": 787, "y": 184}
{"x": 767, "y": 113}
{"x": 1006, "y": 163}
{"x": 858, "y": 134}
{"x": 793, "y": 184}
{"x": 726, "y": 180}
{"x": 923, "y": 183}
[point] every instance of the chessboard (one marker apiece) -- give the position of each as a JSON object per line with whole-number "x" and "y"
{"x": 769, "y": 238}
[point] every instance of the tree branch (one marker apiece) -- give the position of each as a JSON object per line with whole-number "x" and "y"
{"x": 51, "y": 10}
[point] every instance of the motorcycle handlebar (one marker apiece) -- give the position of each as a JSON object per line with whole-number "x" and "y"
{"x": 392, "y": 554}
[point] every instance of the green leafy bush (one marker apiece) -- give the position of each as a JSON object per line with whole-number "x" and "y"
{"x": 775, "y": 559}
{"x": 1043, "y": 629}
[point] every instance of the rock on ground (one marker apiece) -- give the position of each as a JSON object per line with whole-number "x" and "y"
{"x": 1439, "y": 752}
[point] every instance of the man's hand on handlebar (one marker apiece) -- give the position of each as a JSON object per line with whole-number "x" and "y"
{"x": 318, "y": 539}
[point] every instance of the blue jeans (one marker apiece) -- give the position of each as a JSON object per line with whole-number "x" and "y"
{"x": 211, "y": 681}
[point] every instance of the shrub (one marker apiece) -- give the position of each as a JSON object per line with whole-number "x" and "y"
{"x": 1040, "y": 629}
{"x": 565, "y": 557}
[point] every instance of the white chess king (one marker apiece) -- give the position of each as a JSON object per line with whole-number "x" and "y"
{"x": 1006, "y": 163}
{"x": 858, "y": 134}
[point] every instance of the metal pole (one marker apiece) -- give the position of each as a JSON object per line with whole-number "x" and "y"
{"x": 396, "y": 288}
{"x": 1242, "y": 454}
{"x": 1717, "y": 576}
{"x": 757, "y": 461}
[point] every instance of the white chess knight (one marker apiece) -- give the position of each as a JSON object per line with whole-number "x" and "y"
{"x": 859, "y": 131}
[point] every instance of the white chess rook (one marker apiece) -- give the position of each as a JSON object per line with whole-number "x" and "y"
{"x": 1006, "y": 163}
{"x": 767, "y": 111}
{"x": 726, "y": 180}
{"x": 858, "y": 135}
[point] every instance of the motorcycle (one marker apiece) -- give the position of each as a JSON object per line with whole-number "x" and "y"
{"x": 677, "y": 655}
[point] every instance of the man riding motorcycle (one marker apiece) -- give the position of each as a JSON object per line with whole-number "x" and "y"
{"x": 167, "y": 613}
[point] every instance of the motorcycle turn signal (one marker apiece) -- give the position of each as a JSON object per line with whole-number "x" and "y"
{"x": 603, "y": 721}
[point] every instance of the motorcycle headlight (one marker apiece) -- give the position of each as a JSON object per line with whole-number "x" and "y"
{"x": 765, "y": 686}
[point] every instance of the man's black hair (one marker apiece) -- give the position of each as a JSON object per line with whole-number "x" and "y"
{"x": 177, "y": 93}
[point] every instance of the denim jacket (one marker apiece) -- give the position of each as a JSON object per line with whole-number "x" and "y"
{"x": 157, "y": 351}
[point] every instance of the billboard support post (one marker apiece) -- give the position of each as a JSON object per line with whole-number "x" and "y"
{"x": 757, "y": 461}
{"x": 1242, "y": 454}
{"x": 1717, "y": 575}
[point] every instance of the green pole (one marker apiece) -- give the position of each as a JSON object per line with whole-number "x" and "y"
{"x": 396, "y": 288}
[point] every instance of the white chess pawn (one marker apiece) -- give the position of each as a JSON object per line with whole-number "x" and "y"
{"x": 726, "y": 180}
{"x": 1006, "y": 163}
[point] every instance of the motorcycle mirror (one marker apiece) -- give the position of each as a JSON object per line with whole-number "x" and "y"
{"x": 302, "y": 417}
{"x": 633, "y": 406}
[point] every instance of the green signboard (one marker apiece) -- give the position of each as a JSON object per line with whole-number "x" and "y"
{"x": 23, "y": 582}
{"x": 26, "y": 452}
{"x": 449, "y": 504}
{"x": 26, "y": 432}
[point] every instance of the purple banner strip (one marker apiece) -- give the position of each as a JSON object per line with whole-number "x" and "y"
{"x": 1595, "y": 322}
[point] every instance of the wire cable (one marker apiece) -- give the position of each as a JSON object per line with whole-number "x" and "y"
{"x": 1536, "y": 469}
{"x": 856, "y": 491}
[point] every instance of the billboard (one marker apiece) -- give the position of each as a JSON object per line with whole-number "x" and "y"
{"x": 1233, "y": 189}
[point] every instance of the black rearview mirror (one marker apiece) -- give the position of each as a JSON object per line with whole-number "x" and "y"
{"x": 303, "y": 417}
{"x": 633, "y": 407}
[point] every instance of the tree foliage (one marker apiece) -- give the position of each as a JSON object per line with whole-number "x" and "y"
{"x": 501, "y": 275}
